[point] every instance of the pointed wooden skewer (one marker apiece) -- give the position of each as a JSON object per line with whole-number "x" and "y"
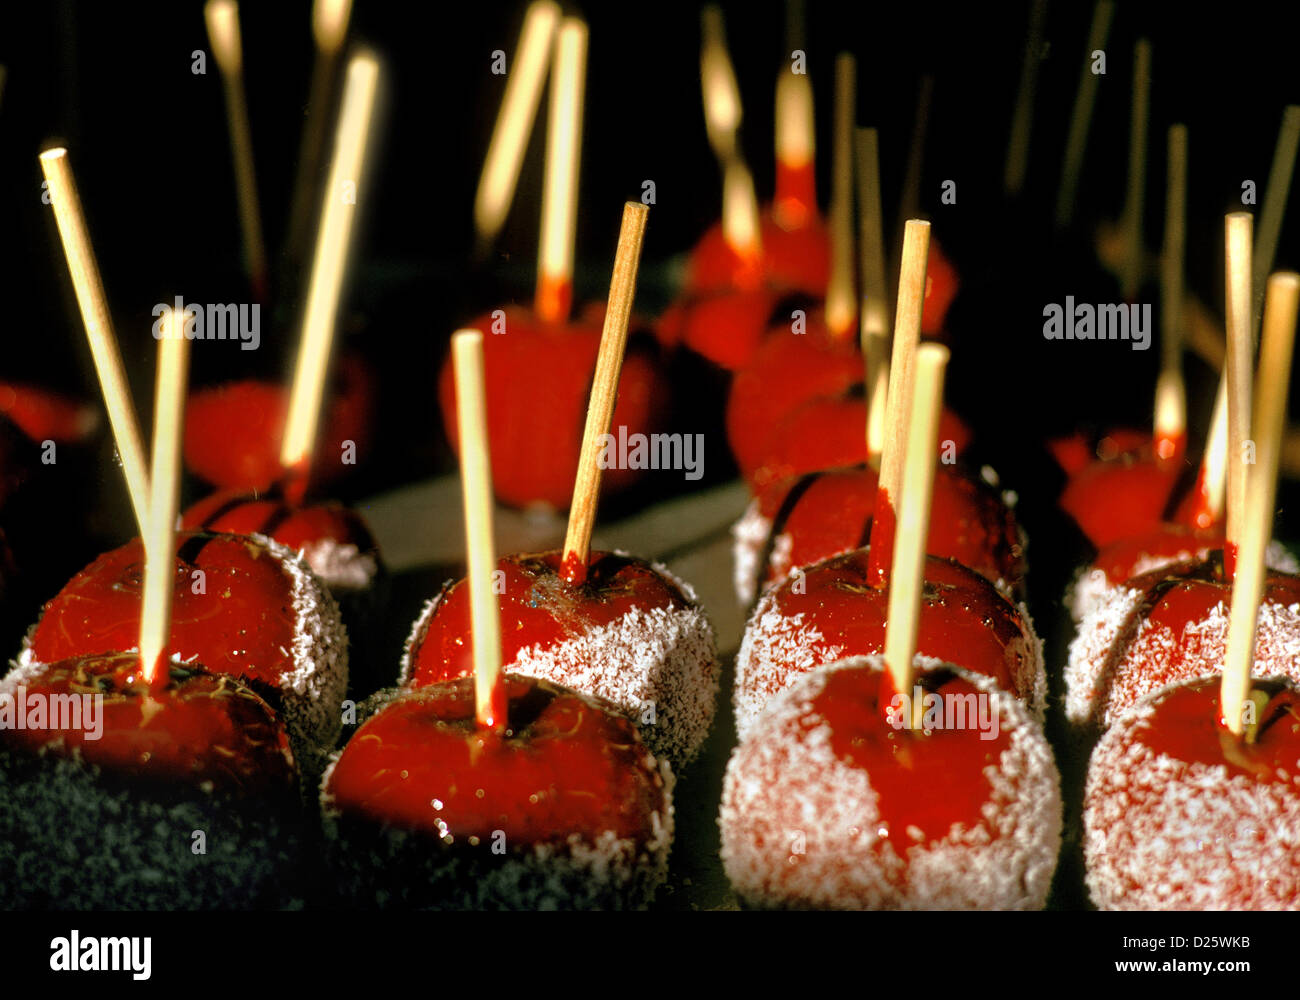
{"x": 476, "y": 492}
{"x": 554, "y": 293}
{"x": 1277, "y": 348}
{"x": 329, "y": 264}
{"x": 1081, "y": 116}
{"x": 722, "y": 107}
{"x": 165, "y": 478}
{"x": 874, "y": 309}
{"x": 514, "y": 125}
{"x": 222, "y": 18}
{"x": 1237, "y": 377}
{"x": 1022, "y": 119}
{"x": 907, "y": 333}
{"x": 840, "y": 306}
{"x": 604, "y": 392}
{"x": 1171, "y": 392}
{"x": 99, "y": 327}
{"x": 907, "y": 573}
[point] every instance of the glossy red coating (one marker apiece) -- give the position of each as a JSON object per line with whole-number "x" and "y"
{"x": 561, "y": 767}
{"x": 190, "y": 726}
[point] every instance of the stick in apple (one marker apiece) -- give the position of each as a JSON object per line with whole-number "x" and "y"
{"x": 909, "y": 198}
{"x": 514, "y": 125}
{"x": 604, "y": 391}
{"x": 1223, "y": 469}
{"x": 1280, "y": 306}
{"x": 741, "y": 223}
{"x": 554, "y": 295}
{"x": 722, "y": 107}
{"x": 329, "y": 28}
{"x": 476, "y": 491}
{"x": 1274, "y": 207}
{"x": 874, "y": 310}
{"x": 1022, "y": 119}
{"x": 795, "y": 203}
{"x": 164, "y": 477}
{"x": 332, "y": 246}
{"x": 1081, "y": 117}
{"x": 907, "y": 574}
{"x": 222, "y": 17}
{"x": 1131, "y": 217}
{"x": 1171, "y": 393}
{"x": 907, "y": 333}
{"x": 89, "y": 288}
{"x": 840, "y": 306}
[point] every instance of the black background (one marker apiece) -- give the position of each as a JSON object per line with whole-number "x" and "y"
{"x": 149, "y": 145}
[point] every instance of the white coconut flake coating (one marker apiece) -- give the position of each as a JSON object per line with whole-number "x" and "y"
{"x": 785, "y": 782}
{"x": 777, "y": 649}
{"x": 390, "y": 867}
{"x": 1165, "y": 834}
{"x": 657, "y": 666}
{"x": 313, "y": 686}
{"x": 749, "y": 539}
{"x": 1091, "y": 586}
{"x": 341, "y": 566}
{"x": 1102, "y": 681}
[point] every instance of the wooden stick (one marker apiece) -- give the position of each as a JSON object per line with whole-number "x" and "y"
{"x": 795, "y": 202}
{"x": 1213, "y": 485}
{"x": 333, "y": 243}
{"x": 907, "y": 333}
{"x": 840, "y": 309}
{"x": 1274, "y": 208}
{"x": 722, "y": 107}
{"x": 222, "y": 17}
{"x": 907, "y": 575}
{"x": 554, "y": 295}
{"x": 1013, "y": 177}
{"x": 604, "y": 391}
{"x": 909, "y": 199}
{"x": 165, "y": 479}
{"x": 741, "y": 224}
{"x": 86, "y": 282}
{"x": 514, "y": 125}
{"x": 873, "y": 310}
{"x": 1131, "y": 217}
{"x": 1238, "y": 371}
{"x": 871, "y": 236}
{"x": 1171, "y": 393}
{"x": 329, "y": 26}
{"x": 476, "y": 493}
{"x": 1081, "y": 117}
{"x": 1278, "y": 344}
